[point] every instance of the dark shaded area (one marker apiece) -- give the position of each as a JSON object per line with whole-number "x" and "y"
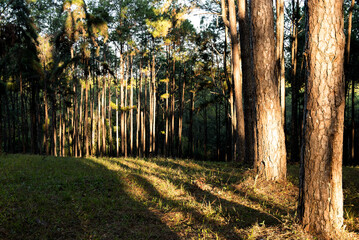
{"x": 86, "y": 204}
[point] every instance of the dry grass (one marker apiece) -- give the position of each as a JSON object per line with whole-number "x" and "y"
{"x": 116, "y": 198}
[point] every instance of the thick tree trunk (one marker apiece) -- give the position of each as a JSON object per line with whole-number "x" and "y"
{"x": 271, "y": 161}
{"x": 320, "y": 206}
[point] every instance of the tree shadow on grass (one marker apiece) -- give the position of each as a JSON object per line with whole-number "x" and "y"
{"x": 236, "y": 216}
{"x": 68, "y": 198}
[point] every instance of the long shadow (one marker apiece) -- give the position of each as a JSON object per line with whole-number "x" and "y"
{"x": 68, "y": 198}
{"x": 273, "y": 207}
{"x": 236, "y": 215}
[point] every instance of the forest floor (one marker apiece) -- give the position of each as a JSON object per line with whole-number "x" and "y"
{"x": 115, "y": 198}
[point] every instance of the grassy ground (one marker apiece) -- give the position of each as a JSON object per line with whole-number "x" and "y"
{"x": 67, "y": 198}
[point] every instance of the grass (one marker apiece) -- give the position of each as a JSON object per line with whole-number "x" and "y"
{"x": 116, "y": 198}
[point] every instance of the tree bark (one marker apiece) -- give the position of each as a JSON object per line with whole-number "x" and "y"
{"x": 270, "y": 163}
{"x": 320, "y": 206}
{"x": 248, "y": 83}
{"x": 294, "y": 121}
{"x": 237, "y": 76}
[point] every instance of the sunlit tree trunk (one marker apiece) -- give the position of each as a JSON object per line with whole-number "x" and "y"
{"x": 109, "y": 116}
{"x": 271, "y": 161}
{"x": 85, "y": 130}
{"x": 180, "y": 118}
{"x": 122, "y": 106}
{"x": 320, "y": 207}
{"x": 131, "y": 105}
{"x": 80, "y": 135}
{"x": 125, "y": 105}
{"x": 231, "y": 23}
{"x": 103, "y": 109}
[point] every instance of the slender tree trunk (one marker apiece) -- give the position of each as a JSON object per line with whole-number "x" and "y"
{"x": 294, "y": 120}
{"x": 237, "y": 76}
{"x": 154, "y": 104}
{"x": 122, "y": 106}
{"x": 98, "y": 152}
{"x": 280, "y": 55}
{"x": 347, "y": 62}
{"x": 131, "y": 105}
{"x": 271, "y": 161}
{"x": 85, "y": 131}
{"x": 80, "y": 141}
{"x": 248, "y": 83}
{"x": 173, "y": 88}
{"x": 117, "y": 136}
{"x": 180, "y": 118}
{"x": 139, "y": 91}
{"x": 109, "y": 116}
{"x": 320, "y": 207}
{"x": 54, "y": 124}
{"x": 125, "y": 113}
{"x": 166, "y": 116}
{"x": 103, "y": 109}
{"x": 75, "y": 121}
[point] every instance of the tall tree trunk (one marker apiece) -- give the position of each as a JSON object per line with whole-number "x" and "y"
{"x": 320, "y": 207}
{"x": 154, "y": 104}
{"x": 98, "y": 152}
{"x": 75, "y": 121}
{"x": 173, "y": 98}
{"x": 180, "y": 118}
{"x": 131, "y": 106}
{"x": 103, "y": 109}
{"x": 85, "y": 131}
{"x": 125, "y": 113}
{"x": 122, "y": 64}
{"x": 352, "y": 145}
{"x": 117, "y": 136}
{"x": 53, "y": 127}
{"x": 271, "y": 160}
{"x": 139, "y": 132}
{"x": 280, "y": 55}
{"x": 166, "y": 116}
{"x": 248, "y": 83}
{"x": 109, "y": 116}
{"x": 294, "y": 120}
{"x": 237, "y": 76}
{"x": 80, "y": 141}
